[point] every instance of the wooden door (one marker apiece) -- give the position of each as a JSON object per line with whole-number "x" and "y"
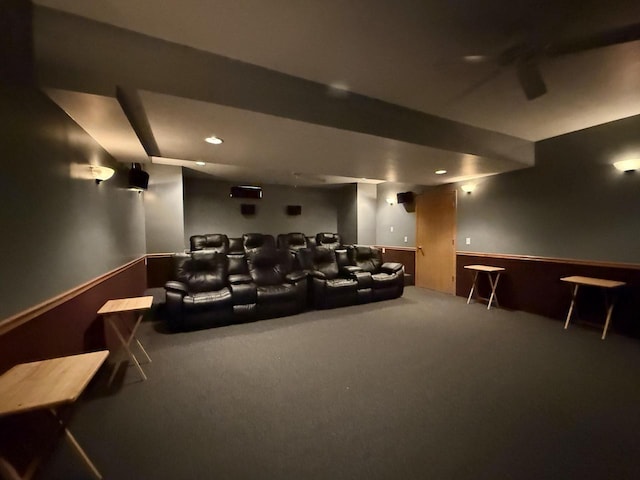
{"x": 435, "y": 240}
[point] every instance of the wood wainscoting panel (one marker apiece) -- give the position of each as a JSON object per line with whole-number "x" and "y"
{"x": 159, "y": 269}
{"x": 71, "y": 326}
{"x": 404, "y": 255}
{"x": 532, "y": 284}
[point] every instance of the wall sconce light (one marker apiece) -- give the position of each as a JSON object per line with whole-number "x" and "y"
{"x": 391, "y": 200}
{"x": 468, "y": 188}
{"x": 628, "y": 165}
{"x": 100, "y": 174}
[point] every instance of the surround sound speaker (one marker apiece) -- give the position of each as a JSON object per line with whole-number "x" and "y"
{"x": 405, "y": 197}
{"x": 294, "y": 209}
{"x": 248, "y": 209}
{"x": 138, "y": 178}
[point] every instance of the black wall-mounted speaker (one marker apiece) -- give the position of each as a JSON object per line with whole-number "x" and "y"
{"x": 246, "y": 191}
{"x": 405, "y": 197}
{"x": 248, "y": 209}
{"x": 138, "y": 178}
{"x": 294, "y": 209}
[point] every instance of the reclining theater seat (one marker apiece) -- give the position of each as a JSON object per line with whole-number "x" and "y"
{"x": 200, "y": 296}
{"x": 235, "y": 245}
{"x": 292, "y": 241}
{"x": 378, "y": 280}
{"x": 328, "y": 289}
{"x": 298, "y": 244}
{"x": 213, "y": 242}
{"x": 254, "y": 241}
{"x": 279, "y": 289}
{"x": 329, "y": 240}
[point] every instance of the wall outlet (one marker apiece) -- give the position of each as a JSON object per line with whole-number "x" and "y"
{"x": 406, "y": 239}
{"x": 391, "y": 228}
{"x": 467, "y": 240}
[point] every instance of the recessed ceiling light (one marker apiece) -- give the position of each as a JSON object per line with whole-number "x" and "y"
{"x": 214, "y": 140}
{"x": 440, "y": 172}
{"x": 202, "y": 164}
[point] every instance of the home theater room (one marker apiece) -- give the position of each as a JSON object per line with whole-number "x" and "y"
{"x": 303, "y": 239}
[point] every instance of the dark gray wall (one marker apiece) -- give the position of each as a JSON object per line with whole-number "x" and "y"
{"x": 396, "y": 216}
{"x": 367, "y": 208}
{"x": 347, "y": 198}
{"x": 164, "y": 209}
{"x": 209, "y": 209}
{"x": 572, "y": 204}
{"x": 59, "y": 229}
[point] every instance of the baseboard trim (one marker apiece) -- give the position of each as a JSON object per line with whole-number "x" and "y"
{"x": 23, "y": 317}
{"x": 533, "y": 258}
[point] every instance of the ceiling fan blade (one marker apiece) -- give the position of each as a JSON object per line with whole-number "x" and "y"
{"x": 530, "y": 78}
{"x": 615, "y": 36}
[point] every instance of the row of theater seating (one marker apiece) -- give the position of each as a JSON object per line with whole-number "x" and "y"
{"x": 290, "y": 241}
{"x": 224, "y": 280}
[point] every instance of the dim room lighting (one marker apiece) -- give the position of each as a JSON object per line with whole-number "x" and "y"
{"x": 391, "y": 200}
{"x": 468, "y": 188}
{"x": 201, "y": 164}
{"x": 213, "y": 140}
{"x": 628, "y": 165}
{"x": 441, "y": 172}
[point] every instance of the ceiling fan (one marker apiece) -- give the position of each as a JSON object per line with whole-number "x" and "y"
{"x": 526, "y": 55}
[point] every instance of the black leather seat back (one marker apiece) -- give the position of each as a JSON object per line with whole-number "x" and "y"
{"x": 215, "y": 242}
{"x": 235, "y": 245}
{"x": 254, "y": 241}
{"x": 324, "y": 260}
{"x": 264, "y": 267}
{"x": 369, "y": 259}
{"x": 237, "y": 264}
{"x": 203, "y": 272}
{"x": 292, "y": 241}
{"x": 329, "y": 240}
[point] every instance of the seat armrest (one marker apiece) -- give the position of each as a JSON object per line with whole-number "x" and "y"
{"x": 295, "y": 276}
{"x": 349, "y": 270}
{"x": 317, "y": 274}
{"x": 238, "y": 278}
{"x": 391, "y": 267}
{"x": 176, "y": 287}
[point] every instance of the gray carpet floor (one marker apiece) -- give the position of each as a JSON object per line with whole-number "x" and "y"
{"x": 421, "y": 387}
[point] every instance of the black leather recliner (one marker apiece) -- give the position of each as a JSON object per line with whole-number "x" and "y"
{"x": 376, "y": 280}
{"x": 298, "y": 244}
{"x": 329, "y": 240}
{"x": 214, "y": 242}
{"x": 254, "y": 241}
{"x": 280, "y": 290}
{"x": 292, "y": 241}
{"x": 328, "y": 288}
{"x": 200, "y": 296}
{"x": 236, "y": 245}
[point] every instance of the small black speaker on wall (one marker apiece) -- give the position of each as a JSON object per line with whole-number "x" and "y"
{"x": 405, "y": 197}
{"x": 294, "y": 209}
{"x": 247, "y": 209}
{"x": 138, "y": 178}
